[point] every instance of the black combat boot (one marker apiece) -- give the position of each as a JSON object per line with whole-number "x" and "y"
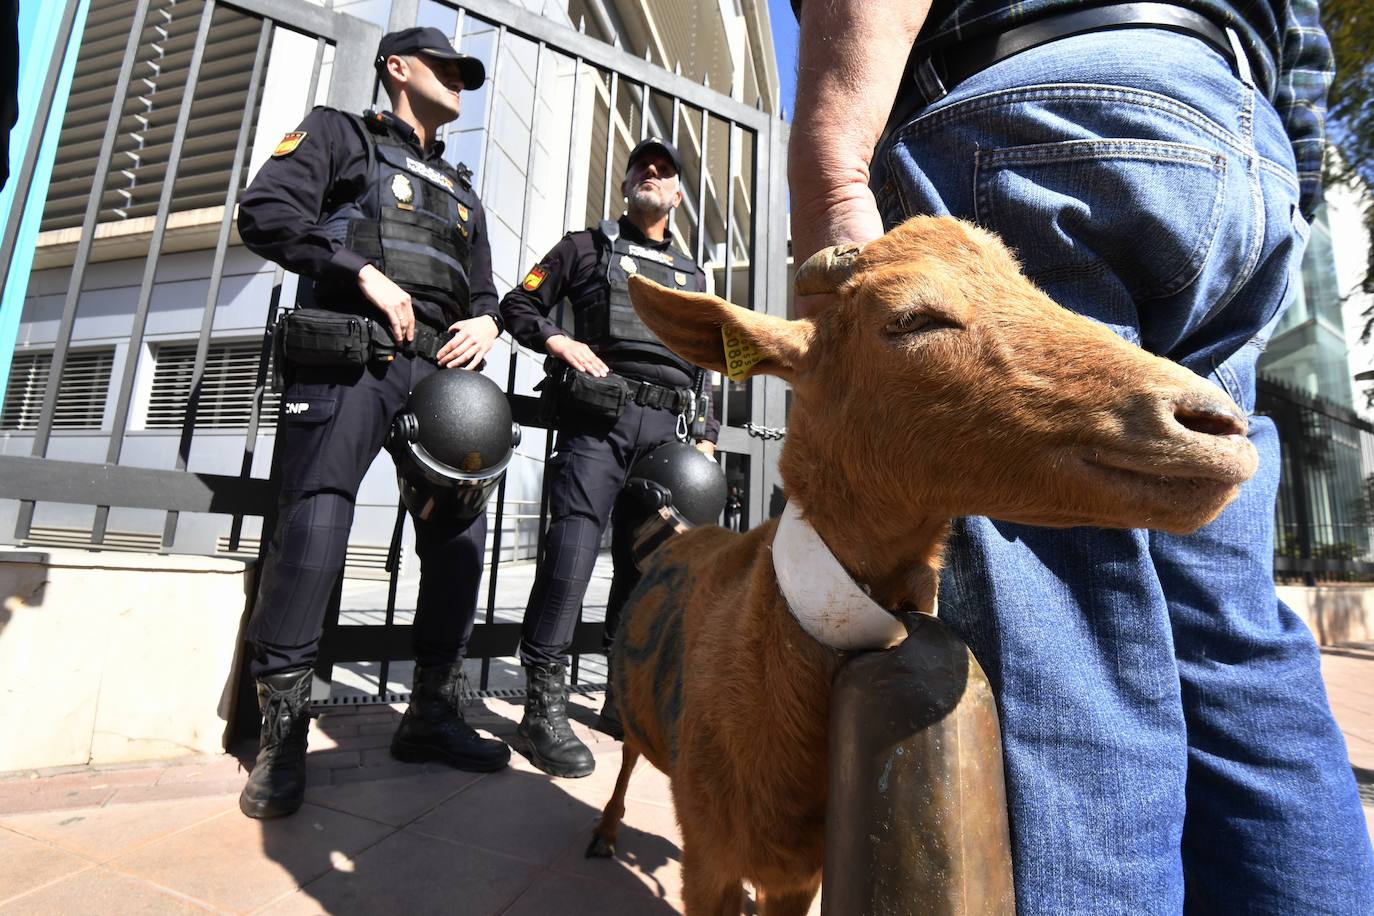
{"x": 277, "y": 785}
{"x": 609, "y": 721}
{"x": 545, "y": 732}
{"x": 433, "y": 728}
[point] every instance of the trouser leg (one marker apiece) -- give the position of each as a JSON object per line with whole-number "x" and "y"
{"x": 588, "y": 470}
{"x": 331, "y": 428}
{"x": 626, "y": 576}
{"x": 451, "y": 561}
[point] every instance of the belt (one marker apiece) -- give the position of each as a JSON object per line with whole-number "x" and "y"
{"x": 660, "y": 397}
{"x": 934, "y": 74}
{"x": 426, "y": 344}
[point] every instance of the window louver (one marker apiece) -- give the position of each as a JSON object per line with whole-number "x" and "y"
{"x": 227, "y": 387}
{"x": 81, "y": 394}
{"x": 139, "y": 161}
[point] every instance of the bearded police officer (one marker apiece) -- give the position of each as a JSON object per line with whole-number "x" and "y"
{"x": 390, "y": 242}
{"x": 619, "y": 394}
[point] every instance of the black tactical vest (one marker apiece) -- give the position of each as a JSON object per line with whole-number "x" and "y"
{"x": 610, "y": 318}
{"x": 414, "y": 221}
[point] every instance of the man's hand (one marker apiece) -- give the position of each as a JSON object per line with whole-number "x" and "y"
{"x": 707, "y": 448}
{"x": 472, "y": 338}
{"x": 390, "y": 300}
{"x": 576, "y": 354}
{"x": 850, "y": 58}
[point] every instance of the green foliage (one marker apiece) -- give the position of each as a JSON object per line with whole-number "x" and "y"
{"x": 1350, "y": 106}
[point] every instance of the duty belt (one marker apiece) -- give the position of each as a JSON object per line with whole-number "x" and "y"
{"x": 426, "y": 344}
{"x": 936, "y": 73}
{"x": 659, "y": 397}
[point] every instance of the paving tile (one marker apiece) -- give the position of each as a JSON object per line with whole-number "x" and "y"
{"x": 648, "y": 854}
{"x": 391, "y": 801}
{"x": 45, "y": 799}
{"x": 100, "y": 834}
{"x": 391, "y": 769}
{"x": 415, "y": 875}
{"x": 29, "y": 863}
{"x": 514, "y": 812}
{"x": 212, "y": 769}
{"x": 328, "y": 760}
{"x": 98, "y": 892}
{"x": 571, "y": 896}
{"x": 237, "y": 863}
{"x": 230, "y": 785}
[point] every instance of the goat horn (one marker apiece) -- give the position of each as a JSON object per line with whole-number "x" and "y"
{"x": 826, "y": 270}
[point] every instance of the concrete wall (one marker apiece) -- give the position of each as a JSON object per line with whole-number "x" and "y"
{"x": 1335, "y": 614}
{"x": 108, "y": 657}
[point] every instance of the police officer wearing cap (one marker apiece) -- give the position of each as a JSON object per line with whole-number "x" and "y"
{"x": 596, "y": 448}
{"x": 390, "y": 242}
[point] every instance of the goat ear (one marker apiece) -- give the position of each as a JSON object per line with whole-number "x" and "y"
{"x": 692, "y": 326}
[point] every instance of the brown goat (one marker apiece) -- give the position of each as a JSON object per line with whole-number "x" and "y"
{"x": 941, "y": 383}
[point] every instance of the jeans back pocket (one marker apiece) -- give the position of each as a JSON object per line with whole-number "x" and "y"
{"x": 1145, "y": 211}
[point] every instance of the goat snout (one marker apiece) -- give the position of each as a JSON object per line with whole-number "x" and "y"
{"x": 1210, "y": 416}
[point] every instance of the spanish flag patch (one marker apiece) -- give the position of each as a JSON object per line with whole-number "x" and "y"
{"x": 288, "y": 143}
{"x": 534, "y": 278}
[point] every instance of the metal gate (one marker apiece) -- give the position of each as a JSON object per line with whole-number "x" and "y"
{"x": 175, "y": 437}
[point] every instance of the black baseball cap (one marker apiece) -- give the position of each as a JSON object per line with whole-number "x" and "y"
{"x": 659, "y": 144}
{"x": 432, "y": 43}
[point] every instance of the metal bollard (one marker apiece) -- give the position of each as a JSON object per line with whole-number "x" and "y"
{"x": 916, "y": 818}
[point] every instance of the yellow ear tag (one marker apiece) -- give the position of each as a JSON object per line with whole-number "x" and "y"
{"x": 740, "y": 353}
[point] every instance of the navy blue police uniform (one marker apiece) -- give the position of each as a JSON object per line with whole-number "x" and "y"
{"x": 593, "y": 455}
{"x": 341, "y": 192}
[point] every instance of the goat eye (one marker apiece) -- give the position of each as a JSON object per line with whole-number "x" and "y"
{"x": 910, "y": 323}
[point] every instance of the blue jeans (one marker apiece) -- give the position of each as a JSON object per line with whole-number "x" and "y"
{"x": 1168, "y": 741}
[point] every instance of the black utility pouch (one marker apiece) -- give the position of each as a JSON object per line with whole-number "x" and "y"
{"x": 574, "y": 392}
{"x": 317, "y": 337}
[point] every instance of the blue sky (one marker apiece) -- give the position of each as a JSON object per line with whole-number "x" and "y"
{"x": 785, "y": 44}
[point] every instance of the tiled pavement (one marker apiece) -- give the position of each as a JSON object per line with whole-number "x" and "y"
{"x": 377, "y": 836}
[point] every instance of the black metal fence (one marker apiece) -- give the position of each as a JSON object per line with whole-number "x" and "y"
{"x": 158, "y": 139}
{"x": 1324, "y": 521}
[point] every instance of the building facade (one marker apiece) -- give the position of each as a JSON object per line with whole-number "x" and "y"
{"x": 166, "y": 314}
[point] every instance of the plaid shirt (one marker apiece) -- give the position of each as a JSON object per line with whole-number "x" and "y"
{"x": 1284, "y": 38}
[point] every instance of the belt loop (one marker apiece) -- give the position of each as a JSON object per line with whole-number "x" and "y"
{"x": 928, "y": 80}
{"x": 1242, "y": 59}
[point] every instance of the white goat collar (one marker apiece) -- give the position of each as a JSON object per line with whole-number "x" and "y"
{"x": 828, "y": 604}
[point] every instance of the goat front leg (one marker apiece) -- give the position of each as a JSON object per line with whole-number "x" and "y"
{"x": 793, "y": 902}
{"x": 604, "y": 836}
{"x": 706, "y": 891}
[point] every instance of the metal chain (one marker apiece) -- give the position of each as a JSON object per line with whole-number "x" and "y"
{"x": 765, "y": 432}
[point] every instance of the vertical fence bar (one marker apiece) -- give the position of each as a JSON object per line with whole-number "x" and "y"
{"x": 23, "y": 178}
{"x": 677, "y": 109}
{"x": 643, "y": 110}
{"x": 43, "y": 432}
{"x": 145, "y": 292}
{"x": 702, "y": 167}
{"x": 207, "y": 323}
{"x": 610, "y": 145}
{"x": 496, "y": 47}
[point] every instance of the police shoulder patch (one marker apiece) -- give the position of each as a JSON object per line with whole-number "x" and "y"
{"x": 288, "y": 143}
{"x": 534, "y": 278}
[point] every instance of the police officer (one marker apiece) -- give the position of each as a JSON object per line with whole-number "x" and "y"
{"x": 595, "y": 451}
{"x": 383, "y": 233}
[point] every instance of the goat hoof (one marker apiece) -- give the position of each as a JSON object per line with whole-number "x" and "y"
{"x": 600, "y": 848}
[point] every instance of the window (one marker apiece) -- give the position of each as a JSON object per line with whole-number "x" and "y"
{"x": 226, "y": 391}
{"x": 81, "y": 393}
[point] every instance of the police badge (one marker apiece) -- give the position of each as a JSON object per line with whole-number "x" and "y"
{"x": 680, "y": 277}
{"x": 463, "y": 213}
{"x": 628, "y": 264}
{"x": 403, "y": 191}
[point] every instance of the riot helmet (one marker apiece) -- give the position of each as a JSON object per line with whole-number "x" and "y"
{"x": 678, "y": 477}
{"x": 452, "y": 443}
